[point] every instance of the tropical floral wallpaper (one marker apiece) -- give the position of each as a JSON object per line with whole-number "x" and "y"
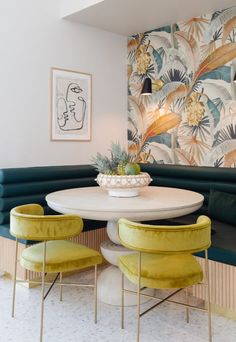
{"x": 190, "y": 118}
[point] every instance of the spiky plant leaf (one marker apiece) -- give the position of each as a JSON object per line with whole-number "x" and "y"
{"x": 109, "y": 166}
{"x": 102, "y": 164}
{"x": 118, "y": 155}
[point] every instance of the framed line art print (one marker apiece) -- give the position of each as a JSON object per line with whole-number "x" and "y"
{"x": 70, "y": 105}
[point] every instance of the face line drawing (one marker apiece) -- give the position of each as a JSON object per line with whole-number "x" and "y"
{"x": 64, "y": 115}
{"x": 73, "y": 107}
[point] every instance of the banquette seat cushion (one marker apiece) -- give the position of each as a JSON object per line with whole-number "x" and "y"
{"x": 222, "y": 206}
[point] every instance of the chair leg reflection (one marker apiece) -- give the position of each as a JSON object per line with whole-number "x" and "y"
{"x": 14, "y": 280}
{"x": 61, "y": 287}
{"x": 42, "y": 293}
{"x": 122, "y": 301}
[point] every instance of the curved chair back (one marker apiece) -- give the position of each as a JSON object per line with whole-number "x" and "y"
{"x": 28, "y": 222}
{"x": 166, "y": 239}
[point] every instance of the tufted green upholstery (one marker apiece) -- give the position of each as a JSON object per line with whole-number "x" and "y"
{"x": 30, "y": 185}
{"x": 200, "y": 179}
{"x": 20, "y": 186}
{"x": 44, "y": 173}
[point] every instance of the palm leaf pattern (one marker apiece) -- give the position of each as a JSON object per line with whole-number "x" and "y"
{"x": 220, "y": 20}
{"x": 219, "y": 162}
{"x": 196, "y": 148}
{"x": 190, "y": 66}
{"x": 201, "y": 130}
{"x": 195, "y": 27}
{"x": 227, "y": 133}
{"x": 174, "y": 75}
{"x": 216, "y": 14}
{"x": 208, "y": 48}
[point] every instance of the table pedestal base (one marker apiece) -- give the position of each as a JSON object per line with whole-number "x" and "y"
{"x": 109, "y": 288}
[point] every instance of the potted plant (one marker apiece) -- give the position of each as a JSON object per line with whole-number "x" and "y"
{"x": 119, "y": 174}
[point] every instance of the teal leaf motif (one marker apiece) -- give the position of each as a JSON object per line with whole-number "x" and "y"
{"x": 158, "y": 59}
{"x": 164, "y": 138}
{"x": 161, "y": 29}
{"x": 218, "y": 103}
{"x": 161, "y": 52}
{"x": 222, "y": 73}
{"x": 214, "y": 111}
{"x": 216, "y": 14}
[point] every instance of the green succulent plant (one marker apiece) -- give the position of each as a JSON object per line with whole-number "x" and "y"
{"x": 116, "y": 164}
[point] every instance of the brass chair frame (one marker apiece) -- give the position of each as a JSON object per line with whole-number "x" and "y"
{"x": 167, "y": 298}
{"x": 43, "y": 283}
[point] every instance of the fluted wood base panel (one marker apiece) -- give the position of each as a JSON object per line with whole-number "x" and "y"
{"x": 7, "y": 257}
{"x": 91, "y": 239}
{"x": 223, "y": 287}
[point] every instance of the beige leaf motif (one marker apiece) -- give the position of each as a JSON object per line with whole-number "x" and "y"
{"x": 230, "y": 159}
{"x": 229, "y": 26}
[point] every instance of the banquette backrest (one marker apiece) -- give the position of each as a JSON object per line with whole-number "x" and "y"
{"x": 200, "y": 179}
{"x": 31, "y": 184}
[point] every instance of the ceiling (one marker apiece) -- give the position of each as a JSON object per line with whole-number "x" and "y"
{"x": 127, "y": 17}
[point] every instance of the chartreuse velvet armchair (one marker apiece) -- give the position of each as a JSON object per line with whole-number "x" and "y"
{"x": 164, "y": 260}
{"x": 53, "y": 254}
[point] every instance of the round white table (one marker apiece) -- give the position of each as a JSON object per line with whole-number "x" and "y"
{"x": 94, "y": 203}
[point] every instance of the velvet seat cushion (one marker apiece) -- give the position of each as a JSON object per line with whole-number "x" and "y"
{"x": 162, "y": 270}
{"x": 61, "y": 256}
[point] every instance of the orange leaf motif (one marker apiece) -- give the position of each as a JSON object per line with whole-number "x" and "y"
{"x": 220, "y": 56}
{"x": 161, "y": 125}
{"x": 133, "y": 148}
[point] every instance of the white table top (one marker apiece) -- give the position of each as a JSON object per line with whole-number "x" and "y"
{"x": 152, "y": 203}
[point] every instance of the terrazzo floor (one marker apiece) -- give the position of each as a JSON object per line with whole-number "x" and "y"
{"x": 72, "y": 319}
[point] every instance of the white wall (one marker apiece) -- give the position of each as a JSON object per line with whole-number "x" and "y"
{"x": 68, "y": 7}
{"x": 33, "y": 39}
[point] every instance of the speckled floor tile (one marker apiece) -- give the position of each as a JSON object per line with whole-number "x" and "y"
{"x": 72, "y": 319}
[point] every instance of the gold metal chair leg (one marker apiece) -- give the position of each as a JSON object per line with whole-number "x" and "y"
{"x": 95, "y": 294}
{"x": 138, "y": 296}
{"x": 42, "y": 294}
{"x": 14, "y": 280}
{"x": 208, "y": 296}
{"x": 122, "y": 301}
{"x": 187, "y": 309}
{"x": 61, "y": 287}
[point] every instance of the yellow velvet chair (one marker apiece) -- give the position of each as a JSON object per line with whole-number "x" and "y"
{"x": 54, "y": 254}
{"x": 164, "y": 260}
